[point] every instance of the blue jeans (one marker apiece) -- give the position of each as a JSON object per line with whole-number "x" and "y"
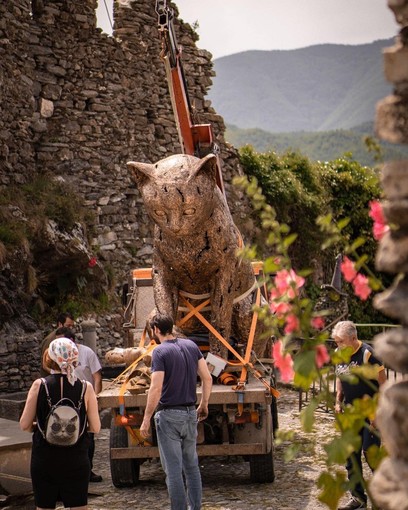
{"x": 176, "y": 436}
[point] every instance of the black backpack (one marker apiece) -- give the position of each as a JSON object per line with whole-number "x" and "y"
{"x": 63, "y": 423}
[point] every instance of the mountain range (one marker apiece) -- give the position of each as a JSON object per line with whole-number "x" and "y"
{"x": 318, "y": 88}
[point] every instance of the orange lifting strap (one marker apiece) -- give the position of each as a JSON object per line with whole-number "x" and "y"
{"x": 123, "y": 378}
{"x": 242, "y": 362}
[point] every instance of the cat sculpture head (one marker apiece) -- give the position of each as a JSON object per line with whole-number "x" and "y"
{"x": 179, "y": 192}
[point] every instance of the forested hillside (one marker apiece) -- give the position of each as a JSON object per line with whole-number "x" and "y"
{"x": 321, "y": 146}
{"x": 318, "y": 88}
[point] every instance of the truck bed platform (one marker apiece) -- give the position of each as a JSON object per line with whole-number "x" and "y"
{"x": 254, "y": 392}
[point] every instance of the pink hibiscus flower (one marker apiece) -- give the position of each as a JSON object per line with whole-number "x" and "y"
{"x": 283, "y": 362}
{"x": 347, "y": 269}
{"x": 280, "y": 308}
{"x": 292, "y": 324}
{"x": 361, "y": 287}
{"x": 322, "y": 356}
{"x": 376, "y": 213}
{"x": 288, "y": 282}
{"x": 318, "y": 322}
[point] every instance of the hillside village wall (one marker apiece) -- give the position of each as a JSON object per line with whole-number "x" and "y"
{"x": 79, "y": 104}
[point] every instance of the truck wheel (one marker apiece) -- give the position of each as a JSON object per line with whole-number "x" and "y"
{"x": 124, "y": 472}
{"x": 261, "y": 468}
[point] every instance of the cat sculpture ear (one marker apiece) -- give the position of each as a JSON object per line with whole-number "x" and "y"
{"x": 207, "y": 166}
{"x": 140, "y": 172}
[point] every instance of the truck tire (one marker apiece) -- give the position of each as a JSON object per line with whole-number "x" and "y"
{"x": 261, "y": 468}
{"x": 124, "y": 472}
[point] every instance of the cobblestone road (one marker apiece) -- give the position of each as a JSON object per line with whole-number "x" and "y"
{"x": 226, "y": 484}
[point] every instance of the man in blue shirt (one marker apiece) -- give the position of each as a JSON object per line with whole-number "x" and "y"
{"x": 176, "y": 362}
{"x": 345, "y": 335}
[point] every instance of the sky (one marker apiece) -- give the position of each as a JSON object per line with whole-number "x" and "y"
{"x": 226, "y": 27}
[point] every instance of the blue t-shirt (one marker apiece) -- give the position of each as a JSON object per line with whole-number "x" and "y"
{"x": 363, "y": 355}
{"x": 178, "y": 359}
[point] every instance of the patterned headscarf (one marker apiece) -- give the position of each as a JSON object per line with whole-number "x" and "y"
{"x": 65, "y": 353}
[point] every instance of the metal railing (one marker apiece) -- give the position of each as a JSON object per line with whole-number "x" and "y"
{"x": 329, "y": 379}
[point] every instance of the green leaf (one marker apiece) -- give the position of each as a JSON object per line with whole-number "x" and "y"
{"x": 367, "y": 371}
{"x": 333, "y": 488}
{"x": 375, "y": 283}
{"x": 343, "y": 223}
{"x": 349, "y": 420}
{"x": 375, "y": 454}
{"x": 304, "y": 363}
{"x": 284, "y": 435}
{"x": 324, "y": 220}
{"x": 270, "y": 265}
{"x": 342, "y": 355}
{"x": 366, "y": 406}
{"x": 357, "y": 243}
{"x": 291, "y": 452}
{"x": 360, "y": 262}
{"x": 289, "y": 240}
{"x": 341, "y": 447}
{"x": 307, "y": 417}
{"x": 304, "y": 382}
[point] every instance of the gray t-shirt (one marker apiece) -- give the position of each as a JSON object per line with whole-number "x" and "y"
{"x": 88, "y": 363}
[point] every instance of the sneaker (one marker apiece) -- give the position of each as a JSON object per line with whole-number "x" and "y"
{"x": 354, "y": 504}
{"x": 95, "y": 478}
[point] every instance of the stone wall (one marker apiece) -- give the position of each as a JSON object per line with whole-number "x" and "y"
{"x": 79, "y": 104}
{"x": 390, "y": 482}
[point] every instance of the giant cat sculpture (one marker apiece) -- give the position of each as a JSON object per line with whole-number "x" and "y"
{"x": 195, "y": 245}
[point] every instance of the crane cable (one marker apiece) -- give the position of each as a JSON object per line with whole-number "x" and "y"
{"x": 108, "y": 13}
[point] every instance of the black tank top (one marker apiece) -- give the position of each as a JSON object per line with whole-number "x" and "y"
{"x": 43, "y": 408}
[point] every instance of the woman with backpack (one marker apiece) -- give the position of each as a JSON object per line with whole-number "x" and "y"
{"x": 60, "y": 410}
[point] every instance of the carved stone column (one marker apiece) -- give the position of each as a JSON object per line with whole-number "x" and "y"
{"x": 389, "y": 485}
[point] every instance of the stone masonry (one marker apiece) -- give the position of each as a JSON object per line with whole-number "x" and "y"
{"x": 390, "y": 481}
{"x": 79, "y": 104}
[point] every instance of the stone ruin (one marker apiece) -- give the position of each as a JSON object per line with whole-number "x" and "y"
{"x": 389, "y": 485}
{"x": 78, "y": 104}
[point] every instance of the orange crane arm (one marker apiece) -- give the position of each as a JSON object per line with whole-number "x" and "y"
{"x": 195, "y": 139}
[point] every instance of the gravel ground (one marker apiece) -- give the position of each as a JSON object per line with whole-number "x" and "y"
{"x": 226, "y": 484}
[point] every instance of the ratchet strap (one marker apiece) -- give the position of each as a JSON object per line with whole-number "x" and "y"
{"x": 242, "y": 362}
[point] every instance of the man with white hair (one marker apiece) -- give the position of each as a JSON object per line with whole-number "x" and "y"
{"x": 345, "y": 335}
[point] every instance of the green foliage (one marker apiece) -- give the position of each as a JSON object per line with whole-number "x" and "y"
{"x": 25, "y": 210}
{"x": 322, "y": 145}
{"x": 325, "y": 204}
{"x": 332, "y": 486}
{"x": 36, "y": 202}
{"x": 11, "y": 234}
{"x": 307, "y": 361}
{"x": 291, "y": 185}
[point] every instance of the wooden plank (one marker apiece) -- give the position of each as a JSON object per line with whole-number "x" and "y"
{"x": 254, "y": 392}
{"x": 150, "y": 452}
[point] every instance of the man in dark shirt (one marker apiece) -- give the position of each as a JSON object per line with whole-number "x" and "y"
{"x": 345, "y": 335}
{"x": 176, "y": 362}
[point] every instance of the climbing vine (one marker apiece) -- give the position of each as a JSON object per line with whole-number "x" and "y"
{"x": 302, "y": 351}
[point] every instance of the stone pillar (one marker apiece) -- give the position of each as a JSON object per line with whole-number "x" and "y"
{"x": 389, "y": 485}
{"x": 89, "y": 333}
